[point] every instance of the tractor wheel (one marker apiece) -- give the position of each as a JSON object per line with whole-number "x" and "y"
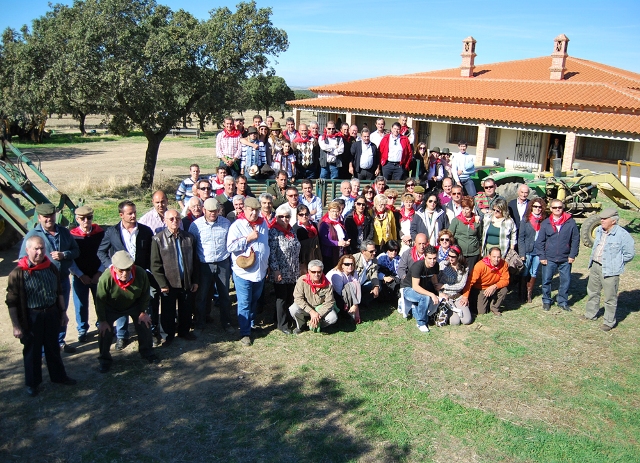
{"x": 588, "y": 230}
{"x": 508, "y": 191}
{"x": 8, "y": 235}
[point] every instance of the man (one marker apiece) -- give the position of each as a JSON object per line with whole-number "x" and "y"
{"x": 487, "y": 285}
{"x": 226, "y": 198}
{"x": 445, "y": 195}
{"x": 405, "y": 130}
{"x": 203, "y": 189}
{"x": 123, "y": 291}
{"x": 433, "y": 168}
{"x": 485, "y": 199}
{"x": 270, "y": 121}
{"x": 419, "y": 288}
{"x": 307, "y": 153}
{"x": 378, "y": 135}
{"x": 313, "y": 299}
{"x": 365, "y": 164}
{"x": 257, "y": 120}
{"x": 395, "y": 154}
{"x": 293, "y": 200}
{"x": 266, "y": 209}
{"x": 210, "y": 234}
{"x": 612, "y": 249}
{"x": 418, "y": 196}
{"x": 355, "y": 188}
{"x": 135, "y": 238}
{"x": 195, "y": 211}
{"x": 557, "y": 246}
{"x": 556, "y": 150}
{"x": 175, "y": 266}
{"x": 379, "y": 185}
{"x": 349, "y": 137}
{"x": 463, "y": 167}
{"x": 87, "y": 268}
{"x": 217, "y": 181}
{"x": 290, "y": 132}
{"x": 410, "y": 256}
{"x": 367, "y": 270}
{"x": 239, "y": 126}
{"x": 310, "y": 200}
{"x": 61, "y": 249}
{"x": 251, "y": 153}
{"x": 454, "y": 207}
{"x": 331, "y": 149}
{"x": 277, "y": 190}
{"x": 36, "y": 309}
{"x": 154, "y": 219}
{"x": 518, "y": 206}
{"x": 229, "y": 148}
{"x": 185, "y": 190}
{"x": 242, "y": 187}
{"x": 238, "y": 208}
{"x": 345, "y": 189}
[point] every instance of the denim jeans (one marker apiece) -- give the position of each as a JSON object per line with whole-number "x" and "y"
{"x": 81, "y": 303}
{"x": 469, "y": 187}
{"x": 306, "y": 173}
{"x": 425, "y": 307}
{"x": 66, "y": 293}
{"x": 548, "y": 271}
{"x": 531, "y": 265}
{"x": 248, "y": 293}
{"x": 331, "y": 171}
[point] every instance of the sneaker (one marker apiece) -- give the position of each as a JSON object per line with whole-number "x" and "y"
{"x": 157, "y": 339}
{"x": 423, "y": 328}
{"x": 546, "y": 307}
{"x": 585, "y": 318}
{"x": 246, "y": 341}
{"x": 67, "y": 349}
{"x": 121, "y": 344}
{"x": 297, "y": 331}
{"x": 286, "y": 331}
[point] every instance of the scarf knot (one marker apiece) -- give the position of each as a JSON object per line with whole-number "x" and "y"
{"x": 24, "y": 264}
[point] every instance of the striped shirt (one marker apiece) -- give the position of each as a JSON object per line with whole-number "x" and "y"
{"x": 41, "y": 287}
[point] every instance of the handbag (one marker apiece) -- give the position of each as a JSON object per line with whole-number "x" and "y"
{"x": 514, "y": 262}
{"x": 246, "y": 261}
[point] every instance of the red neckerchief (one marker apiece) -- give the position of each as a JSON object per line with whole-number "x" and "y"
{"x": 258, "y": 221}
{"x": 381, "y": 215}
{"x": 299, "y": 139}
{"x": 286, "y": 231}
{"x": 535, "y": 221}
{"x": 433, "y": 163}
{"x": 359, "y": 221}
{"x": 391, "y": 207}
{"x": 270, "y": 222}
{"x": 493, "y": 269}
{"x": 354, "y": 196}
{"x": 94, "y": 230}
{"x": 329, "y": 220}
{"x": 369, "y": 205}
{"x": 468, "y": 222}
{"x": 233, "y": 134}
{"x": 414, "y": 255}
{"x": 240, "y": 215}
{"x": 23, "y": 264}
{"x": 126, "y": 284}
{"x": 316, "y": 286}
{"x": 336, "y": 134}
{"x": 557, "y": 223}
{"x": 404, "y": 216}
{"x": 285, "y": 134}
{"x": 311, "y": 230}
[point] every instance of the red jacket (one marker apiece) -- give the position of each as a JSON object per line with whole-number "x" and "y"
{"x": 406, "y": 150}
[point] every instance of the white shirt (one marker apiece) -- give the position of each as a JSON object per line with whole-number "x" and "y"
{"x": 130, "y": 240}
{"x": 395, "y": 149}
{"x": 522, "y": 207}
{"x": 366, "y": 158}
{"x": 375, "y": 138}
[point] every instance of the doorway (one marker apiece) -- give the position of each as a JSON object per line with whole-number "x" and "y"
{"x": 554, "y": 150}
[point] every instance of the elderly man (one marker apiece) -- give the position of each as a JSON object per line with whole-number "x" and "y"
{"x": 379, "y": 185}
{"x": 226, "y": 198}
{"x": 410, "y": 256}
{"x": 518, "y": 206}
{"x": 557, "y": 245}
{"x": 310, "y": 200}
{"x": 485, "y": 199}
{"x": 366, "y": 158}
{"x": 61, "y": 249}
{"x": 248, "y": 242}
{"x": 87, "y": 268}
{"x": 175, "y": 266}
{"x": 185, "y": 190}
{"x": 487, "y": 285}
{"x": 307, "y": 153}
{"x": 210, "y": 233}
{"x": 37, "y": 311}
{"x": 331, "y": 149}
{"x": 612, "y": 249}
{"x": 135, "y": 238}
{"x": 154, "y": 219}
{"x": 238, "y": 208}
{"x": 395, "y": 154}
{"x": 229, "y": 148}
{"x": 266, "y": 209}
{"x": 345, "y": 189}
{"x": 405, "y": 130}
{"x": 123, "y": 291}
{"x": 367, "y": 270}
{"x": 377, "y": 136}
{"x": 419, "y": 287}
{"x": 445, "y": 195}
{"x": 313, "y": 299}
{"x": 277, "y": 190}
{"x": 194, "y": 208}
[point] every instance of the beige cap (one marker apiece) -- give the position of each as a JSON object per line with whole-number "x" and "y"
{"x": 84, "y": 210}
{"x": 122, "y": 260}
{"x": 253, "y": 203}
{"x": 211, "y": 204}
{"x": 608, "y": 212}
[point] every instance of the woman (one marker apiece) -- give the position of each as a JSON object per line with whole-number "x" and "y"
{"x": 333, "y": 236}
{"x": 388, "y": 263}
{"x": 430, "y": 220}
{"x": 284, "y": 264}
{"x": 453, "y": 278}
{"x": 359, "y": 224}
{"x": 445, "y": 241}
{"x": 409, "y": 185}
{"x": 445, "y": 162}
{"x": 466, "y": 230}
{"x": 275, "y": 144}
{"x": 368, "y": 192}
{"x": 285, "y": 159}
{"x": 433, "y": 170}
{"x": 346, "y": 286}
{"x": 313, "y": 299}
{"x": 529, "y": 227}
{"x": 422, "y": 155}
{"x": 384, "y": 223}
{"x": 406, "y": 213}
{"x": 307, "y": 235}
{"x": 498, "y": 229}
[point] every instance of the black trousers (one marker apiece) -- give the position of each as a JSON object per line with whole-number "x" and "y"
{"x": 367, "y": 174}
{"x": 184, "y": 300}
{"x": 284, "y": 299}
{"x": 144, "y": 334}
{"x": 44, "y": 327}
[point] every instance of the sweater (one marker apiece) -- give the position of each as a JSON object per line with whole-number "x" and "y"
{"x": 468, "y": 239}
{"x": 482, "y": 277}
{"x": 111, "y": 296}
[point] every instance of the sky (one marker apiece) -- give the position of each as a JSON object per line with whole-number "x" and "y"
{"x": 343, "y": 41}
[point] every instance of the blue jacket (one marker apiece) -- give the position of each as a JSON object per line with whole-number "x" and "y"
{"x": 66, "y": 244}
{"x": 558, "y": 247}
{"x": 618, "y": 250}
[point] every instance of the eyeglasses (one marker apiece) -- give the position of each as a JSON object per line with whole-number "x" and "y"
{"x": 557, "y": 207}
{"x": 489, "y": 187}
{"x": 445, "y": 239}
{"x": 360, "y": 204}
{"x": 204, "y": 188}
{"x": 348, "y": 264}
{"x": 303, "y": 214}
{"x": 86, "y": 217}
{"x": 318, "y": 272}
{"x": 497, "y": 210}
{"x": 284, "y": 216}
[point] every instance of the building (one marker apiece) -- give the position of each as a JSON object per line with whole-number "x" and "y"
{"x": 508, "y": 112}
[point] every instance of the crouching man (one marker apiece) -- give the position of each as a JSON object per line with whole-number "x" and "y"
{"x": 421, "y": 287}
{"x": 487, "y": 286}
{"x": 313, "y": 299}
{"x": 123, "y": 291}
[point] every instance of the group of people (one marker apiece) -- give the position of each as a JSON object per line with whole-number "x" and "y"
{"x": 442, "y": 253}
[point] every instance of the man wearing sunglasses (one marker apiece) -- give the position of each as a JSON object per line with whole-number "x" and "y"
{"x": 485, "y": 199}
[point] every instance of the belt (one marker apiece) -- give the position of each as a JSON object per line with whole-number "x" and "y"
{"x": 391, "y": 162}
{"x": 42, "y": 309}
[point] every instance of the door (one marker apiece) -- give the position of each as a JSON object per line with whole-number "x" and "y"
{"x": 528, "y": 147}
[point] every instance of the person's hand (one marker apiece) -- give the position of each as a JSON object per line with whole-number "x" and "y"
{"x": 571, "y": 260}
{"x": 350, "y": 169}
{"x": 434, "y": 299}
{"x": 543, "y": 262}
{"x": 377, "y": 171}
{"x": 490, "y": 290}
{"x": 388, "y": 279}
{"x": 438, "y": 286}
{"x": 96, "y": 278}
{"x": 315, "y": 319}
{"x": 145, "y": 318}
{"x": 85, "y": 280}
{"x": 375, "y": 291}
{"x": 344, "y": 243}
{"x": 57, "y": 255}
{"x": 254, "y": 145}
{"x": 17, "y": 332}
{"x": 477, "y": 219}
{"x": 194, "y": 288}
{"x": 164, "y": 290}
{"x": 103, "y": 327}
{"x": 463, "y": 301}
{"x": 277, "y": 276}
{"x": 523, "y": 258}
{"x": 353, "y": 308}
{"x": 64, "y": 319}
{"x": 252, "y": 236}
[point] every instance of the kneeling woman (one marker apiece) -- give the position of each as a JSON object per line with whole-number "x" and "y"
{"x": 453, "y": 278}
{"x": 346, "y": 286}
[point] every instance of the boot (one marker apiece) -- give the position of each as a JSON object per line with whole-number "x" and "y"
{"x": 530, "y": 283}
{"x": 522, "y": 288}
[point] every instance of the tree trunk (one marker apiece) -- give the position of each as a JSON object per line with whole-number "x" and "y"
{"x": 184, "y": 121}
{"x": 81, "y": 119}
{"x": 267, "y": 110}
{"x": 201, "y": 121}
{"x": 151, "y": 157}
{"x": 282, "y": 111}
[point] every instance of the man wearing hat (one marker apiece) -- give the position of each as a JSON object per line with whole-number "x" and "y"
{"x": 418, "y": 196}
{"x": 612, "y": 249}
{"x": 210, "y": 233}
{"x": 228, "y": 146}
{"x": 123, "y": 291}
{"x": 445, "y": 162}
{"x": 61, "y": 249}
{"x": 87, "y": 268}
{"x": 434, "y": 170}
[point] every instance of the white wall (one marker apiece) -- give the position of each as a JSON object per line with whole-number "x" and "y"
{"x": 634, "y": 182}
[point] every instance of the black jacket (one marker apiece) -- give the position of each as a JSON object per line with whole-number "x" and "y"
{"x": 352, "y": 231}
{"x": 558, "y": 247}
{"x": 356, "y": 152}
{"x": 513, "y": 212}
{"x": 112, "y": 243}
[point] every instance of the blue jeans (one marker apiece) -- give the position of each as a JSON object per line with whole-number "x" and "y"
{"x": 248, "y": 293}
{"x": 81, "y": 303}
{"x": 66, "y": 292}
{"x": 393, "y": 171}
{"x": 531, "y": 265}
{"x": 306, "y": 173}
{"x": 469, "y": 187}
{"x": 331, "y": 171}
{"x": 548, "y": 271}
{"x": 425, "y": 307}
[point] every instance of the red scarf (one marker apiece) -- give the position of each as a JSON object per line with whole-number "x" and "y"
{"x": 124, "y": 285}
{"x": 330, "y": 221}
{"x": 369, "y": 205}
{"x": 270, "y": 222}
{"x": 414, "y": 255}
{"x": 23, "y": 264}
{"x": 404, "y": 216}
{"x": 240, "y": 215}
{"x": 299, "y": 139}
{"x": 311, "y": 230}
{"x": 94, "y": 230}
{"x": 258, "y": 221}
{"x": 285, "y": 134}
{"x": 354, "y": 195}
{"x": 487, "y": 262}
{"x": 358, "y": 220}
{"x": 232, "y": 134}
{"x": 391, "y": 207}
{"x": 381, "y": 215}
{"x": 336, "y": 134}
{"x": 535, "y": 221}
{"x": 316, "y": 286}
{"x": 557, "y": 223}
{"x": 468, "y": 222}
{"x": 286, "y": 231}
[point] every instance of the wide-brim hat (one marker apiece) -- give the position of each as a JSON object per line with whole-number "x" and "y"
{"x": 435, "y": 149}
{"x": 445, "y": 151}
{"x": 251, "y": 130}
{"x": 276, "y": 126}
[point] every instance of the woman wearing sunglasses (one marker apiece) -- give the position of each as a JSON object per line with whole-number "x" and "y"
{"x": 529, "y": 227}
{"x": 445, "y": 241}
{"x": 430, "y": 220}
{"x": 359, "y": 224}
{"x": 453, "y": 278}
{"x": 498, "y": 229}
{"x": 346, "y": 286}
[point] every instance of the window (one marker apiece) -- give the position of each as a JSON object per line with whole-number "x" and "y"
{"x": 469, "y": 133}
{"x": 602, "y": 149}
{"x": 423, "y": 133}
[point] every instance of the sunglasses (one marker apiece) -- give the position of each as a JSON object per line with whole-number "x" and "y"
{"x": 445, "y": 239}
{"x": 497, "y": 210}
{"x": 557, "y": 207}
{"x": 348, "y": 264}
{"x": 204, "y": 188}
{"x": 536, "y": 207}
{"x": 410, "y": 184}
{"x": 315, "y": 272}
{"x": 86, "y": 217}
{"x": 456, "y": 194}
{"x": 360, "y": 204}
{"x": 489, "y": 187}
{"x": 303, "y": 214}
{"x": 284, "y": 216}
{"x": 431, "y": 201}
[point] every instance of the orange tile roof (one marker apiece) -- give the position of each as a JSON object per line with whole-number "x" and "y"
{"x": 585, "y": 120}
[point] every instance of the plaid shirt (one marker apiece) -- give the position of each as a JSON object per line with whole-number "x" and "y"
{"x": 228, "y": 147}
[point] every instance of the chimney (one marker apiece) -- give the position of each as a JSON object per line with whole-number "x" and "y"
{"x": 468, "y": 55}
{"x": 559, "y": 57}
